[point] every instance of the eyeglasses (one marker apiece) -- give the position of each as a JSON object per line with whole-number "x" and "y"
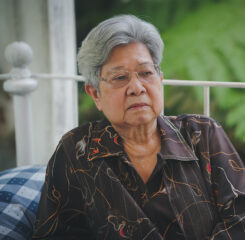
{"x": 146, "y": 73}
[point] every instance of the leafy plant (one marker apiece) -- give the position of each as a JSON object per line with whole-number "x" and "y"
{"x": 209, "y": 44}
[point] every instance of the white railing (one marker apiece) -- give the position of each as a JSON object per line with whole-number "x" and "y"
{"x": 172, "y": 82}
{"x": 21, "y": 83}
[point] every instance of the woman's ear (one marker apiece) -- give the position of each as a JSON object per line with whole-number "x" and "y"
{"x": 162, "y": 76}
{"x": 92, "y": 91}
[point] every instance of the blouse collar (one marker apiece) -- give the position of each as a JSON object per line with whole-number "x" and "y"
{"x": 105, "y": 142}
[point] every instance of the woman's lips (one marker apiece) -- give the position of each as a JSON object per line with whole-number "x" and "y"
{"x": 137, "y": 105}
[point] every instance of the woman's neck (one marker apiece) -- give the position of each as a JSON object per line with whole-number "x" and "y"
{"x": 139, "y": 141}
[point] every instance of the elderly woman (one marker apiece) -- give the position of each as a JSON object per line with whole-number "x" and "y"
{"x": 138, "y": 174}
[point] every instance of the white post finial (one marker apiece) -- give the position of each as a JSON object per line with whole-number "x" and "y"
{"x": 19, "y": 55}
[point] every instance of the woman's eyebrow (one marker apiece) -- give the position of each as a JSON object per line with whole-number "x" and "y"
{"x": 123, "y": 67}
{"x": 147, "y": 62}
{"x": 116, "y": 68}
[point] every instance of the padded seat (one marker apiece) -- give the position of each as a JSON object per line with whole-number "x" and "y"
{"x": 20, "y": 190}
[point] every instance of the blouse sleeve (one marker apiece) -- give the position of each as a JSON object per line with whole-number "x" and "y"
{"x": 228, "y": 178}
{"x": 61, "y": 209}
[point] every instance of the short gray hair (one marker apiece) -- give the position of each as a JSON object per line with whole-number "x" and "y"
{"x": 118, "y": 30}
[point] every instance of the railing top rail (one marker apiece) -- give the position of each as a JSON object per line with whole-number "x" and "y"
{"x": 5, "y": 76}
{"x": 78, "y": 78}
{"x": 172, "y": 82}
{"x": 203, "y": 83}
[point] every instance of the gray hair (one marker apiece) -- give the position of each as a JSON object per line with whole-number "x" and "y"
{"x": 118, "y": 30}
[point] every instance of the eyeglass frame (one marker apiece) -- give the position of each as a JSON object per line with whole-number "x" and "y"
{"x": 156, "y": 67}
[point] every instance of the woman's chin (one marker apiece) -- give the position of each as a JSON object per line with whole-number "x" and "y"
{"x": 141, "y": 120}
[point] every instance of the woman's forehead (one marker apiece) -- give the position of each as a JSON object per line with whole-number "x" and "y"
{"x": 127, "y": 56}
{"x": 139, "y": 65}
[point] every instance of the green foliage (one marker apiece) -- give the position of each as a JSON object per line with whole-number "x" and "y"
{"x": 162, "y": 13}
{"x": 87, "y": 109}
{"x": 210, "y": 45}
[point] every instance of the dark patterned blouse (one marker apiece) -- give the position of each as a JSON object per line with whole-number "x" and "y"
{"x": 196, "y": 191}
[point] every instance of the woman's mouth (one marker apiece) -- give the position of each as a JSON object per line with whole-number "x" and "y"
{"x": 136, "y": 106}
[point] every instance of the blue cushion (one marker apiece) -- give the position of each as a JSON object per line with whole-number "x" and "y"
{"x": 20, "y": 190}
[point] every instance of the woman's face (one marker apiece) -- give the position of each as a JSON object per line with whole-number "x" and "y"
{"x": 136, "y": 103}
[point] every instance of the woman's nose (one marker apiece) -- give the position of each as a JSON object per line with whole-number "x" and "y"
{"x": 135, "y": 86}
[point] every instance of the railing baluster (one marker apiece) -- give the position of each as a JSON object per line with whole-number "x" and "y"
{"x": 206, "y": 100}
{"x": 163, "y": 100}
{"x": 20, "y": 86}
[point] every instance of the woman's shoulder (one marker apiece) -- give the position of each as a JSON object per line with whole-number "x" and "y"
{"x": 85, "y": 130}
{"x": 188, "y": 117}
{"x": 192, "y": 122}
{"x": 79, "y": 140}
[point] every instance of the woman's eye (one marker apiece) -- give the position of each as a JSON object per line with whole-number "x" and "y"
{"x": 146, "y": 73}
{"x": 120, "y": 78}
